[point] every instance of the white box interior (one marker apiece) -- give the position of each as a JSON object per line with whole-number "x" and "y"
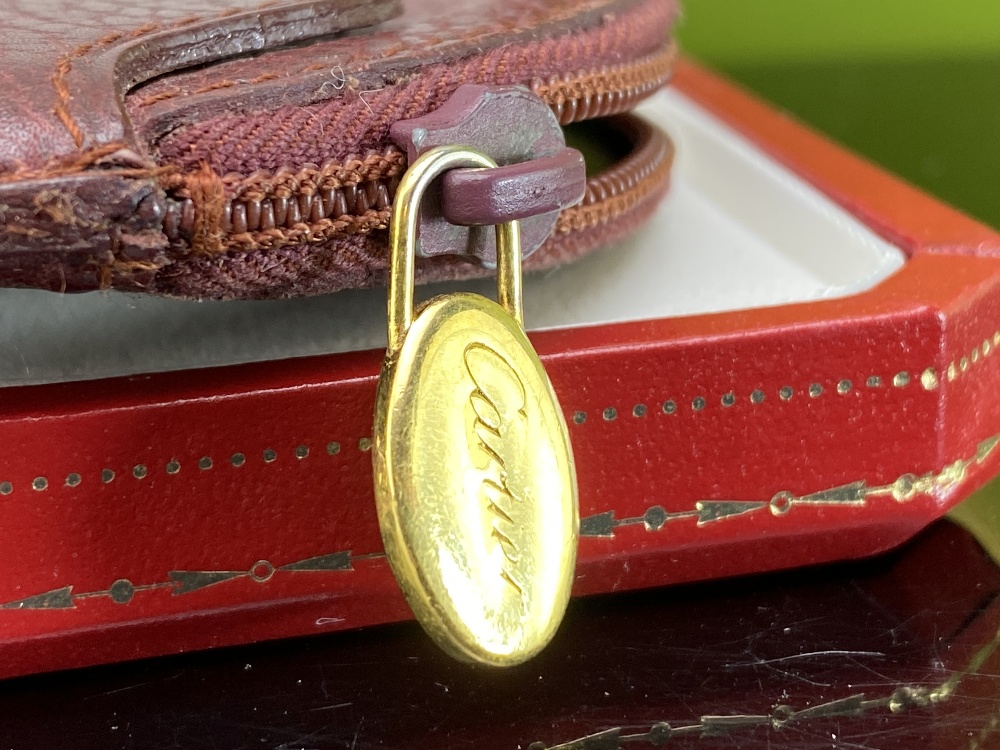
{"x": 736, "y": 232}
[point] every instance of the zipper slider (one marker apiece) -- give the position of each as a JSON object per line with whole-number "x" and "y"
{"x": 537, "y": 178}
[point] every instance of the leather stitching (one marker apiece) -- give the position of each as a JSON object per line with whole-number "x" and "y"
{"x": 225, "y": 84}
{"x": 65, "y": 63}
{"x": 82, "y": 162}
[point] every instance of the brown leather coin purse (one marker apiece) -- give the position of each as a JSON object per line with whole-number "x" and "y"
{"x": 202, "y": 150}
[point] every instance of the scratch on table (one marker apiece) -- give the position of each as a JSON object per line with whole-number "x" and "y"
{"x": 810, "y": 654}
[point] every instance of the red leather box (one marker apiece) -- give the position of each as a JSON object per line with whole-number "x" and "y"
{"x": 795, "y": 362}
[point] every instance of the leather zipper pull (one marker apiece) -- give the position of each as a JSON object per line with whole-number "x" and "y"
{"x": 537, "y": 178}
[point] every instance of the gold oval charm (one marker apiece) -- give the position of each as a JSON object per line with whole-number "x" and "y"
{"x": 475, "y": 484}
{"x": 474, "y": 478}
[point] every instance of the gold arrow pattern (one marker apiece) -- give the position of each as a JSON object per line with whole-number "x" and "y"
{"x": 182, "y": 582}
{"x": 57, "y": 599}
{"x": 852, "y": 495}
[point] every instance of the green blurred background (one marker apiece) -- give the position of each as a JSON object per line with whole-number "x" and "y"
{"x": 913, "y": 85}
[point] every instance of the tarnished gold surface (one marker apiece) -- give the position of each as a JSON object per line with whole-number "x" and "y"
{"x": 474, "y": 477}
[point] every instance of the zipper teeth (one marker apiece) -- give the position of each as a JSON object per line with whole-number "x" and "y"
{"x": 621, "y": 188}
{"x": 265, "y": 203}
{"x": 315, "y": 202}
{"x": 609, "y": 91}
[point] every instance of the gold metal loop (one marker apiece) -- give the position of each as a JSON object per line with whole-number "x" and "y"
{"x": 403, "y": 236}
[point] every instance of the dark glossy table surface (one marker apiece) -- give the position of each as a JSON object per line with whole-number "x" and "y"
{"x": 899, "y": 652}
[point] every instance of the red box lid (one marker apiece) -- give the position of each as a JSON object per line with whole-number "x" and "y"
{"x": 159, "y": 513}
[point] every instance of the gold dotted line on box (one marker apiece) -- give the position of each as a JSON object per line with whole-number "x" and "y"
{"x": 928, "y": 380}
{"x": 958, "y": 367}
{"x": 173, "y": 467}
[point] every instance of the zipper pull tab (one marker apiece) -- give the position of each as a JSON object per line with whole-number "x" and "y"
{"x": 474, "y": 478}
{"x": 538, "y": 178}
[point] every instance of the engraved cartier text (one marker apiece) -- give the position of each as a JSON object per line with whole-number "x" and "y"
{"x": 497, "y": 401}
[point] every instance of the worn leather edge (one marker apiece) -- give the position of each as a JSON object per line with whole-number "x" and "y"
{"x": 85, "y": 231}
{"x": 109, "y": 67}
